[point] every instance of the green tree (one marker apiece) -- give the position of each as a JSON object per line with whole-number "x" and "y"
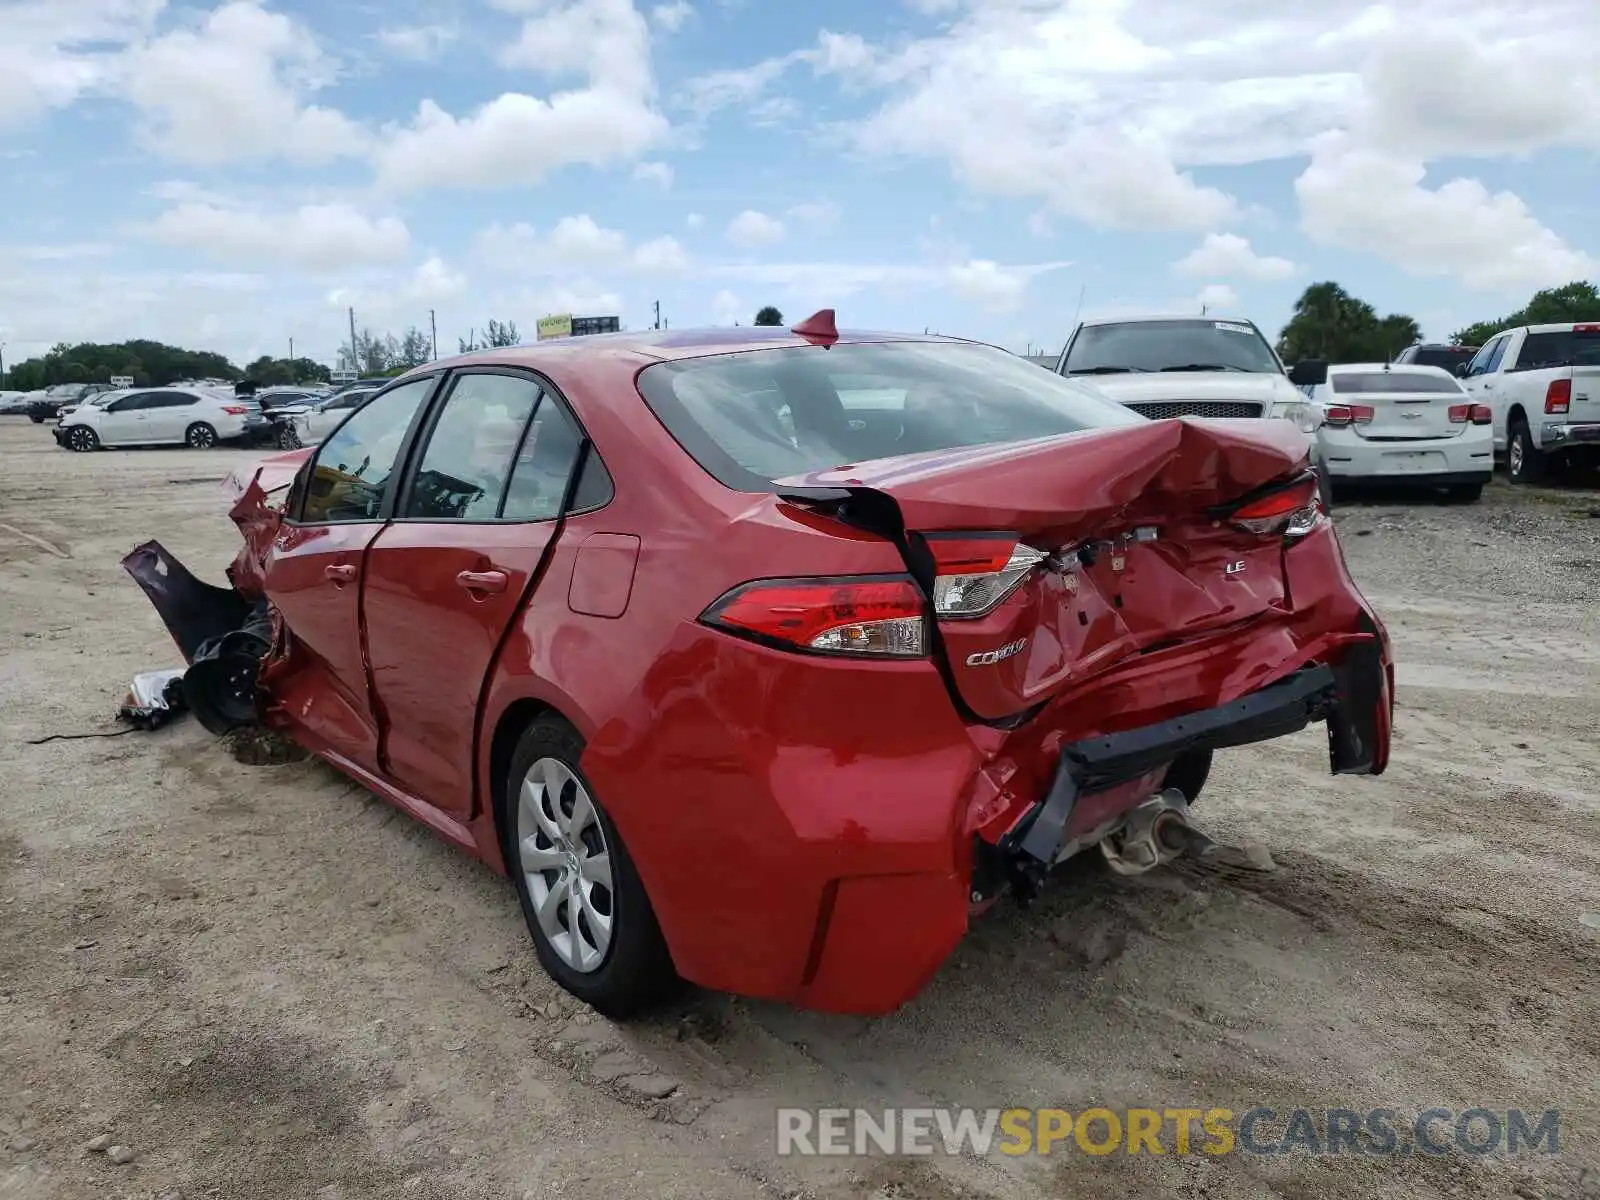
{"x": 1576, "y": 301}
{"x": 415, "y": 348}
{"x": 495, "y": 335}
{"x": 1329, "y": 323}
{"x": 769, "y": 316}
{"x": 152, "y": 364}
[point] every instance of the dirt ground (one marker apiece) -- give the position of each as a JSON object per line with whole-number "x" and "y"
{"x": 265, "y": 983}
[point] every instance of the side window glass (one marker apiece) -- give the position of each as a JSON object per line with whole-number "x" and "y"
{"x": 126, "y": 404}
{"x": 471, "y": 448}
{"x": 1498, "y": 352}
{"x": 1480, "y": 359}
{"x": 353, "y": 467}
{"x": 544, "y": 465}
{"x": 594, "y": 489}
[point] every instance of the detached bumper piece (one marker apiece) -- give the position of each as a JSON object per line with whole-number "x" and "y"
{"x": 1346, "y": 697}
{"x": 221, "y": 635}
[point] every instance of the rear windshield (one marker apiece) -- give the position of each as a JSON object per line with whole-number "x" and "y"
{"x": 1391, "y": 382}
{"x": 1438, "y": 356}
{"x": 763, "y": 415}
{"x": 1561, "y": 349}
{"x": 1177, "y": 345}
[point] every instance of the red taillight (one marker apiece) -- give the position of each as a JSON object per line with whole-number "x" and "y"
{"x": 975, "y": 572}
{"x": 1482, "y": 414}
{"x": 234, "y": 410}
{"x": 1460, "y": 414}
{"x": 1586, "y": 329}
{"x": 859, "y": 616}
{"x": 1291, "y": 511}
{"x": 1347, "y": 414}
{"x": 1558, "y": 396}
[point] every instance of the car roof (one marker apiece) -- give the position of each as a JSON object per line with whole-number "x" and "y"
{"x": 1379, "y": 368}
{"x": 1135, "y": 318}
{"x": 658, "y": 345}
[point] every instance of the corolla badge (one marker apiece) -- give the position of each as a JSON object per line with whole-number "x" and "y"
{"x": 987, "y": 658}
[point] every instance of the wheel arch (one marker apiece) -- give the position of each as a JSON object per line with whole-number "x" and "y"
{"x": 499, "y": 745}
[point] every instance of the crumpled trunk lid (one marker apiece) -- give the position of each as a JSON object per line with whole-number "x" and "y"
{"x": 1138, "y": 556}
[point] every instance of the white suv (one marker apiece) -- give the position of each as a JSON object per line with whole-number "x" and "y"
{"x": 175, "y": 416}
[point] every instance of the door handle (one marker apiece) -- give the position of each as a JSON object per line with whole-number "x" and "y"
{"x": 340, "y": 572}
{"x": 483, "y": 581}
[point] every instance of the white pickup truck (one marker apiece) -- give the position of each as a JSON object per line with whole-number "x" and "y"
{"x": 1543, "y": 384}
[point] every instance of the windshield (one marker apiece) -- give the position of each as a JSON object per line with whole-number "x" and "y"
{"x": 1391, "y": 383}
{"x": 1178, "y": 345}
{"x": 1440, "y": 356}
{"x": 756, "y": 417}
{"x": 1565, "y": 348}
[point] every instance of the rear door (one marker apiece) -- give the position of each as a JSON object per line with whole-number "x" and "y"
{"x": 478, "y": 514}
{"x": 314, "y": 570}
{"x": 169, "y": 416}
{"x": 1407, "y": 405}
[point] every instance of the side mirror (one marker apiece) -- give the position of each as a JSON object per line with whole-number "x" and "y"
{"x": 1462, "y": 369}
{"x": 1310, "y": 372}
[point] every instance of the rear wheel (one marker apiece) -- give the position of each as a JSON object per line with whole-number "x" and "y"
{"x": 83, "y": 439}
{"x": 1188, "y": 773}
{"x": 288, "y": 439}
{"x": 1525, "y": 462}
{"x": 200, "y": 436}
{"x": 592, "y": 924}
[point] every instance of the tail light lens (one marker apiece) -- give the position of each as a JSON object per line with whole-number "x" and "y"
{"x": 1460, "y": 414}
{"x": 857, "y": 617}
{"x": 1291, "y": 511}
{"x": 1482, "y": 414}
{"x": 1347, "y": 414}
{"x": 235, "y": 410}
{"x": 1558, "y": 396}
{"x": 975, "y": 572}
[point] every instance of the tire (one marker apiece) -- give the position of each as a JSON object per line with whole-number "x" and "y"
{"x": 288, "y": 439}
{"x": 1525, "y": 462}
{"x": 200, "y": 436}
{"x": 1325, "y": 489}
{"x": 1188, "y": 773}
{"x": 36, "y": 418}
{"x": 1463, "y": 493}
{"x": 545, "y": 792}
{"x": 83, "y": 439}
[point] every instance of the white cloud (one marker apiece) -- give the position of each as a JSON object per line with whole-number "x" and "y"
{"x": 1361, "y": 198}
{"x": 1217, "y": 295}
{"x": 726, "y": 308}
{"x": 321, "y": 238}
{"x": 811, "y": 285}
{"x": 418, "y": 43}
{"x": 989, "y": 284}
{"x": 517, "y": 139}
{"x": 236, "y": 87}
{"x": 575, "y": 243}
{"x": 52, "y": 53}
{"x": 752, "y": 229}
{"x": 819, "y": 217}
{"x": 657, "y": 172}
{"x": 605, "y": 41}
{"x": 382, "y": 300}
{"x": 1231, "y": 256}
{"x": 671, "y": 17}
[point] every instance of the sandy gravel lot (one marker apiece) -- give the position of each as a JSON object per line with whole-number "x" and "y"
{"x": 266, "y": 983}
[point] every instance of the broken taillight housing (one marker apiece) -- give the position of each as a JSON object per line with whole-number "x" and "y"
{"x": 975, "y": 572}
{"x": 1291, "y": 511}
{"x": 866, "y": 616}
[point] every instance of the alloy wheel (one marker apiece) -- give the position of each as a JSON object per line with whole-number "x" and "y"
{"x": 202, "y": 437}
{"x": 81, "y": 439}
{"x": 566, "y": 864}
{"x": 1515, "y": 455}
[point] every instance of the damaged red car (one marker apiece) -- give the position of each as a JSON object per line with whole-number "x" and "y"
{"x": 767, "y": 659}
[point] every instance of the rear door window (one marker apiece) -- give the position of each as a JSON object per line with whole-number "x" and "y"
{"x": 471, "y": 448}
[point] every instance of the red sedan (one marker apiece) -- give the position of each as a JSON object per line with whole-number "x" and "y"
{"x": 767, "y": 658}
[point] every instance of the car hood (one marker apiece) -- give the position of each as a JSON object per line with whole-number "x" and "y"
{"x": 273, "y": 472}
{"x": 1194, "y": 385}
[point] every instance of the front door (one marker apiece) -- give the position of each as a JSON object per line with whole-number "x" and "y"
{"x": 125, "y": 420}
{"x": 446, "y": 579}
{"x": 314, "y": 574}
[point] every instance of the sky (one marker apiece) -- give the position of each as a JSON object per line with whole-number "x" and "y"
{"x": 233, "y": 176}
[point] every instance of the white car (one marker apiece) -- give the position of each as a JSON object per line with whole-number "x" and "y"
{"x": 13, "y": 402}
{"x": 173, "y": 416}
{"x": 1399, "y": 424}
{"x": 313, "y": 422}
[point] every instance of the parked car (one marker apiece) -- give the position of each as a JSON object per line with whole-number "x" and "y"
{"x": 307, "y": 424}
{"x": 13, "y": 402}
{"x": 1542, "y": 382}
{"x": 1435, "y": 354}
{"x": 46, "y": 406}
{"x": 1403, "y": 425}
{"x": 613, "y": 616}
{"x": 164, "y": 416}
{"x": 282, "y": 397}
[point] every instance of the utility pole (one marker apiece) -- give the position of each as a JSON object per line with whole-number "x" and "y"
{"x": 433, "y": 334}
{"x": 658, "y": 314}
{"x": 354, "y": 364}
{"x": 291, "y": 349}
